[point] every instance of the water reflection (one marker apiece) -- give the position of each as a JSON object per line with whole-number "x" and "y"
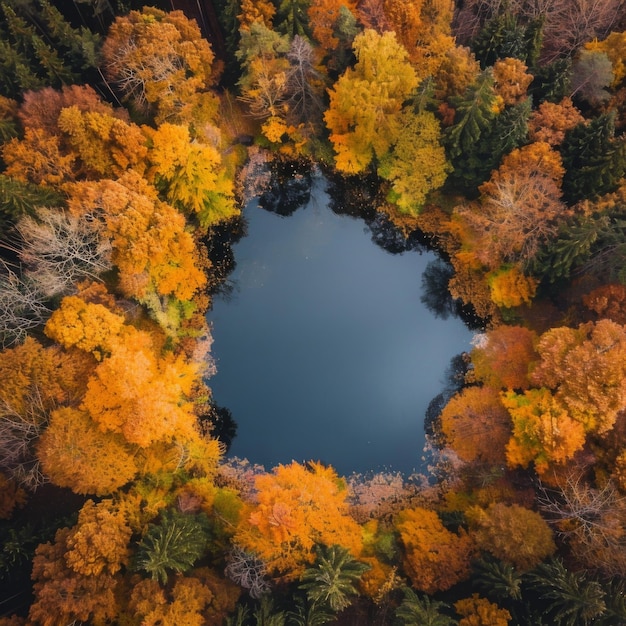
{"x": 327, "y": 351}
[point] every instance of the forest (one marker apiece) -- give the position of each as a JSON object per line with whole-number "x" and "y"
{"x": 130, "y": 140}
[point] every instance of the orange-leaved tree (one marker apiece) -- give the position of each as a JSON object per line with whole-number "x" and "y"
{"x": 434, "y": 557}
{"x": 297, "y": 507}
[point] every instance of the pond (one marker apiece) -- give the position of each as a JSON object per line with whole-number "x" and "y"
{"x": 324, "y": 347}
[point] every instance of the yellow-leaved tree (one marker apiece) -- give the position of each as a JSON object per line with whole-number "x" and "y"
{"x": 364, "y": 114}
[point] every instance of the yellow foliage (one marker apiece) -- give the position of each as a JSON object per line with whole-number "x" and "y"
{"x": 543, "y": 430}
{"x": 510, "y": 287}
{"x": 614, "y": 46}
{"x": 477, "y": 611}
{"x": 551, "y": 121}
{"x": 511, "y": 80}
{"x": 90, "y": 327}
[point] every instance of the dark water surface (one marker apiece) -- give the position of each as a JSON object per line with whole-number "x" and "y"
{"x": 324, "y": 350}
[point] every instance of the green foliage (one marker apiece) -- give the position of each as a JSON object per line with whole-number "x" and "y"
{"x": 504, "y": 36}
{"x": 497, "y": 579}
{"x": 265, "y": 614}
{"x": 594, "y": 161}
{"x": 292, "y": 18}
{"x": 39, "y": 47}
{"x": 309, "y": 613}
{"x": 18, "y": 199}
{"x": 333, "y": 577}
{"x": 422, "y": 610}
{"x": 572, "y": 599}
{"x": 551, "y": 82}
{"x": 175, "y": 543}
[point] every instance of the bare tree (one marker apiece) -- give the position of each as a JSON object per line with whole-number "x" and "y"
{"x": 248, "y": 571}
{"x": 59, "y": 249}
{"x": 22, "y": 307}
{"x": 592, "y": 519}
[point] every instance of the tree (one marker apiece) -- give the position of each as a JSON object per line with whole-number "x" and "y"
{"x": 476, "y": 425}
{"x": 297, "y": 507}
{"x": 324, "y": 16}
{"x": 293, "y": 19}
{"x": 158, "y": 61}
{"x": 502, "y": 357}
{"x": 551, "y": 121}
{"x": 585, "y": 368}
{"x": 422, "y": 610}
{"x": 333, "y": 577}
{"x": 255, "y": 12}
{"x": 75, "y": 453}
{"x": 150, "y": 246}
{"x": 594, "y": 161}
{"x": 498, "y": 579}
{"x": 613, "y": 47}
{"x": 418, "y": 142}
{"x": 592, "y": 73}
{"x": 477, "y": 611}
{"x": 175, "y": 543}
{"x": 543, "y": 431}
{"x": 434, "y": 558}
{"x": 191, "y": 175}
{"x": 365, "y": 103}
{"x": 247, "y": 571}
{"x": 513, "y": 534}
{"x": 60, "y": 249}
{"x": 511, "y": 80}
{"x": 573, "y": 599}
{"x": 141, "y": 394}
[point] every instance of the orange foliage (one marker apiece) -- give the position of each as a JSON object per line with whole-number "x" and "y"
{"x": 513, "y": 534}
{"x": 510, "y": 287}
{"x": 502, "y": 357}
{"x": 511, "y": 80}
{"x": 75, "y": 453}
{"x": 142, "y": 395}
{"x": 256, "y": 11}
{"x": 323, "y": 16}
{"x": 90, "y": 327}
{"x": 435, "y": 559}
{"x": 477, "y": 611}
{"x": 551, "y": 121}
{"x": 476, "y": 425}
{"x": 184, "y": 603}
{"x": 151, "y": 247}
{"x": 586, "y": 368}
{"x": 298, "y": 507}
{"x": 11, "y": 496}
{"x": 608, "y": 301}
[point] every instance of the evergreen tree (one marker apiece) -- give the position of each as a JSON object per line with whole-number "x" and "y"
{"x": 422, "y": 610}
{"x": 497, "y": 579}
{"x": 333, "y": 577}
{"x": 594, "y": 161}
{"x": 504, "y": 36}
{"x": 571, "y": 598}
{"x": 551, "y": 82}
{"x": 18, "y": 199}
{"x": 175, "y": 543}
{"x": 292, "y": 18}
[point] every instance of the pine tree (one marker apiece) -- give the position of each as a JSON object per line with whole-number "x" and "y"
{"x": 421, "y": 610}
{"x": 333, "y": 577}
{"x": 497, "y": 579}
{"x": 501, "y": 36}
{"x": 572, "y": 599}
{"x": 18, "y": 199}
{"x": 594, "y": 161}
{"x": 175, "y": 543}
{"x": 552, "y": 81}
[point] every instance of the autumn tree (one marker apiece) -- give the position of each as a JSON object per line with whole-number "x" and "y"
{"x": 159, "y": 62}
{"x": 434, "y": 558}
{"x": 251, "y": 12}
{"x": 419, "y": 141}
{"x": 585, "y": 368}
{"x": 36, "y": 380}
{"x": 512, "y": 533}
{"x": 592, "y": 74}
{"x": 551, "y": 121}
{"x": 191, "y": 175}
{"x": 297, "y": 507}
{"x": 501, "y": 358}
{"x": 75, "y": 577}
{"x": 511, "y": 80}
{"x": 324, "y": 16}
{"x": 477, "y": 611}
{"x": 364, "y": 115}
{"x": 476, "y": 425}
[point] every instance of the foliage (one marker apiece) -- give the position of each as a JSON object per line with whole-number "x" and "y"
{"x": 174, "y": 543}
{"x": 415, "y": 609}
{"x": 477, "y": 611}
{"x": 333, "y": 577}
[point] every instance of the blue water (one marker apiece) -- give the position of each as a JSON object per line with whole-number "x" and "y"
{"x": 325, "y": 350}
